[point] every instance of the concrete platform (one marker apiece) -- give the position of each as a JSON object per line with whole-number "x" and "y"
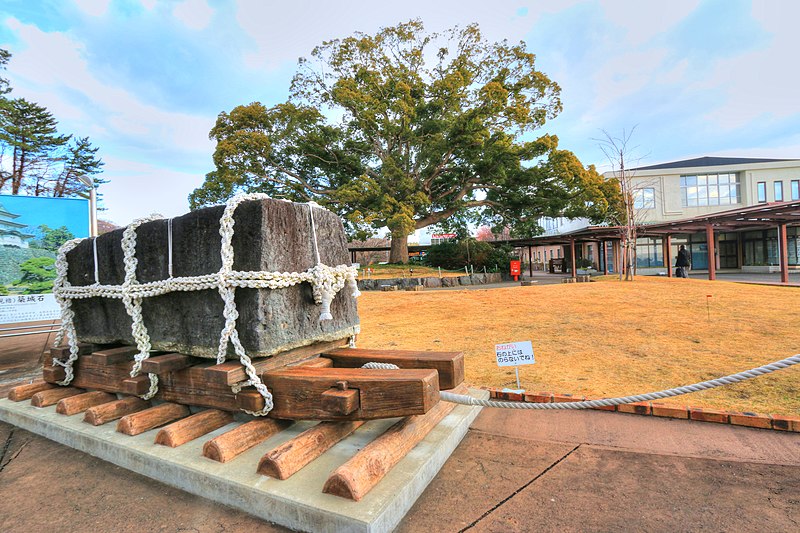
{"x": 297, "y": 503}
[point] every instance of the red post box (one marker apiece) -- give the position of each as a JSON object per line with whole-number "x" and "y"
{"x": 516, "y": 267}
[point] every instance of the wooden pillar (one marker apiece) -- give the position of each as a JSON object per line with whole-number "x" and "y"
{"x": 667, "y": 241}
{"x": 530, "y": 260}
{"x": 572, "y": 256}
{"x": 712, "y": 262}
{"x": 784, "y": 253}
{"x": 604, "y": 256}
{"x": 615, "y": 255}
{"x": 352, "y": 256}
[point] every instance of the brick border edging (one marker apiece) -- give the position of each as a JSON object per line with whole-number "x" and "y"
{"x": 700, "y": 414}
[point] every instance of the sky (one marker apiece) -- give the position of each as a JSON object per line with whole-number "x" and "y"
{"x": 146, "y": 79}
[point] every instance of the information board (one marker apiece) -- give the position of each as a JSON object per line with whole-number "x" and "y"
{"x": 28, "y": 308}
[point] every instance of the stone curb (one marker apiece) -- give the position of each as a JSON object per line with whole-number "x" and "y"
{"x": 701, "y": 414}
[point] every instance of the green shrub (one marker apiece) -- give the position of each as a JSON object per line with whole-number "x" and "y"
{"x": 456, "y": 255}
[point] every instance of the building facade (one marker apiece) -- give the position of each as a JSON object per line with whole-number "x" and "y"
{"x": 694, "y": 187}
{"x": 707, "y": 185}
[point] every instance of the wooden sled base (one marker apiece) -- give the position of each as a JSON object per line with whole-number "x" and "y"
{"x": 323, "y": 381}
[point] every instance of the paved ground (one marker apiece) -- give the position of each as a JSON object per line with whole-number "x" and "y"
{"x": 21, "y": 356}
{"x": 514, "y": 471}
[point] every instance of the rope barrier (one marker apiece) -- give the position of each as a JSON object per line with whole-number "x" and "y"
{"x": 606, "y": 402}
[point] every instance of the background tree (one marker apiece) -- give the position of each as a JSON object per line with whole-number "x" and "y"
{"x": 31, "y": 133}
{"x": 34, "y": 156}
{"x": 427, "y": 127}
{"x": 455, "y": 255}
{"x": 620, "y": 154}
{"x": 38, "y": 274}
{"x": 80, "y": 159}
{"x": 53, "y": 238}
{"x": 5, "y": 86}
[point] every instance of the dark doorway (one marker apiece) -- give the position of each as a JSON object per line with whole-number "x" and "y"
{"x": 728, "y": 254}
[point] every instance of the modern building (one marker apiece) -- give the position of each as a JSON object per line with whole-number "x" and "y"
{"x": 11, "y": 233}
{"x": 669, "y": 200}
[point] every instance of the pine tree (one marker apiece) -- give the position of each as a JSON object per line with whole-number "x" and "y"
{"x": 30, "y": 132}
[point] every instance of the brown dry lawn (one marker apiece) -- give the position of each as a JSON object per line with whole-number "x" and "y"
{"x": 608, "y": 338}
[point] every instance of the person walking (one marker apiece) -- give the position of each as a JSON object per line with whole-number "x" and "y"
{"x": 683, "y": 262}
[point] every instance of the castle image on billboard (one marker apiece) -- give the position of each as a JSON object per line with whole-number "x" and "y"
{"x": 11, "y": 233}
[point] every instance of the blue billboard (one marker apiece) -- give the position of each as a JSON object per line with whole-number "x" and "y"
{"x": 31, "y": 230}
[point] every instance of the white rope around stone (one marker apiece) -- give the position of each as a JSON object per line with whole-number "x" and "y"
{"x": 67, "y": 314}
{"x": 326, "y": 282}
{"x": 133, "y": 305}
{"x": 668, "y": 393}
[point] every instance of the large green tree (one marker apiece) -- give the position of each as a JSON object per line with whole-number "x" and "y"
{"x": 404, "y": 129}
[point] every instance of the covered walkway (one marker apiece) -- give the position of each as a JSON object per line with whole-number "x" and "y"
{"x": 750, "y": 234}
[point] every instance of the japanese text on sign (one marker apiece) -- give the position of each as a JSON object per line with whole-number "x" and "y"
{"x": 514, "y": 353}
{"x": 28, "y": 308}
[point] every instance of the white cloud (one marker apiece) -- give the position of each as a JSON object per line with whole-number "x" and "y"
{"x": 54, "y": 66}
{"x": 138, "y": 189}
{"x": 643, "y": 20}
{"x": 148, "y": 4}
{"x": 290, "y": 31}
{"x": 761, "y": 83}
{"x": 52, "y": 70}
{"x": 195, "y": 14}
{"x": 94, "y": 8}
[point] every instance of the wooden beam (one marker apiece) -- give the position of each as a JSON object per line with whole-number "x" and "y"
{"x": 80, "y": 403}
{"x": 112, "y": 356}
{"x": 26, "y": 392}
{"x": 383, "y": 393}
{"x": 107, "y": 412}
{"x": 340, "y": 402}
{"x": 136, "y": 386}
{"x": 355, "y": 478}
{"x": 53, "y": 374}
{"x": 50, "y": 397}
{"x": 192, "y": 427}
{"x": 161, "y": 364}
{"x": 232, "y": 372}
{"x": 315, "y": 362}
{"x": 282, "y": 462}
{"x": 141, "y": 421}
{"x": 91, "y": 374}
{"x": 231, "y": 444}
{"x": 62, "y": 352}
{"x": 449, "y": 365}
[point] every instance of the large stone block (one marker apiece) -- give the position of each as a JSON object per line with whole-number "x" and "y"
{"x": 269, "y": 235}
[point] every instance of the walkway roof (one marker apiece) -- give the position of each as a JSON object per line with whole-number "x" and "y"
{"x": 756, "y": 217}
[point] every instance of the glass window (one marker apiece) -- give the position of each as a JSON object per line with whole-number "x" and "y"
{"x": 795, "y": 189}
{"x": 711, "y": 189}
{"x": 778, "y": 185}
{"x": 762, "y": 191}
{"x": 644, "y": 198}
{"x": 649, "y": 253}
